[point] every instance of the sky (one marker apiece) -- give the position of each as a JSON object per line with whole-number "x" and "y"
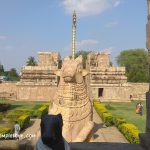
{"x": 30, "y": 26}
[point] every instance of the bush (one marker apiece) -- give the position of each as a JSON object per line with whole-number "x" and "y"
{"x": 118, "y": 120}
{"x": 130, "y": 131}
{"x": 13, "y": 115}
{"x": 37, "y": 106}
{"x": 4, "y": 107}
{"x": 5, "y": 130}
{"x": 108, "y": 119}
{"x": 24, "y": 111}
{"x": 23, "y": 121}
{"x": 1, "y": 116}
{"x": 100, "y": 108}
{"x": 109, "y": 107}
{"x": 103, "y": 113}
{"x": 42, "y": 111}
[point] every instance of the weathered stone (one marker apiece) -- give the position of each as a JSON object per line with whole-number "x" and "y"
{"x": 39, "y": 82}
{"x": 72, "y": 102}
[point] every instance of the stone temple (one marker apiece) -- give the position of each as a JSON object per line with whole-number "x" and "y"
{"x": 104, "y": 82}
{"x": 39, "y": 82}
{"x": 103, "y": 78}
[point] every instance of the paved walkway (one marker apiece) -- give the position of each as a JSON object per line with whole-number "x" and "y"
{"x": 105, "y": 138}
{"x": 33, "y": 131}
{"x": 102, "y": 133}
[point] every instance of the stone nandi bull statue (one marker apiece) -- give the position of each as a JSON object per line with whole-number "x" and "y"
{"x": 72, "y": 102}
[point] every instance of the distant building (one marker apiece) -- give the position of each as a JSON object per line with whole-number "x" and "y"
{"x": 109, "y": 83}
{"x": 40, "y": 82}
{"x": 3, "y": 78}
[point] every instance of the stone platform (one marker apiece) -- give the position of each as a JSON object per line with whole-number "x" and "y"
{"x": 78, "y": 146}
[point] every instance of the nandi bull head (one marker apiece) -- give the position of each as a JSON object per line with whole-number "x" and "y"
{"x": 72, "y": 70}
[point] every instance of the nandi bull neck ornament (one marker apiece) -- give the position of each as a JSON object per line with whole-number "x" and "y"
{"x": 71, "y": 99}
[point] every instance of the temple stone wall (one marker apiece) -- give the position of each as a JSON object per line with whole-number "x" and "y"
{"x": 138, "y": 90}
{"x": 8, "y": 90}
{"x": 104, "y": 82}
{"x": 17, "y": 91}
{"x": 119, "y": 93}
{"x": 39, "y": 83}
{"x": 115, "y": 92}
{"x": 36, "y": 92}
{"x": 109, "y": 83}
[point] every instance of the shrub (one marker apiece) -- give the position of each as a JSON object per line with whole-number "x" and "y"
{"x": 103, "y": 113}
{"x": 130, "y": 131}
{"x": 42, "y": 111}
{"x": 37, "y": 106}
{"x": 23, "y": 121}
{"x": 100, "y": 108}
{"x": 24, "y": 111}
{"x": 4, "y": 107}
{"x": 108, "y": 119}
{"x": 13, "y": 115}
{"x": 109, "y": 107}
{"x": 4, "y": 132}
{"x": 1, "y": 116}
{"x": 118, "y": 120}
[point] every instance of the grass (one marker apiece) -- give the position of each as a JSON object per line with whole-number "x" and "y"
{"x": 127, "y": 111}
{"x": 17, "y": 105}
{"x": 22, "y": 104}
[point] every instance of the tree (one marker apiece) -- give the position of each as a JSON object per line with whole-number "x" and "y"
{"x": 136, "y": 63}
{"x": 12, "y": 75}
{"x": 31, "y": 61}
{"x": 84, "y": 56}
{"x": 1, "y": 70}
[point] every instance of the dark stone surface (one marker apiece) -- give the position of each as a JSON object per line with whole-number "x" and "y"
{"x": 104, "y": 146}
{"x": 145, "y": 141}
{"x": 29, "y": 145}
{"x": 148, "y": 112}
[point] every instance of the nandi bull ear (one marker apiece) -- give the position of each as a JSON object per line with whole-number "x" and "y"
{"x": 84, "y": 72}
{"x": 57, "y": 72}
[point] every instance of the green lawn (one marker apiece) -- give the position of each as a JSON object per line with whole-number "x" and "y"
{"x": 127, "y": 111}
{"x": 18, "y": 105}
{"x": 29, "y": 104}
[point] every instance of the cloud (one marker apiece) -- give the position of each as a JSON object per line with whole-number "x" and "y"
{"x": 2, "y": 37}
{"x": 117, "y": 3}
{"x": 89, "y": 7}
{"x": 83, "y": 44}
{"x": 5, "y": 47}
{"x": 86, "y": 43}
{"x": 112, "y": 24}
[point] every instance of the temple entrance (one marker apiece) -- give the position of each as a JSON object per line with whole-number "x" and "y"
{"x": 100, "y": 92}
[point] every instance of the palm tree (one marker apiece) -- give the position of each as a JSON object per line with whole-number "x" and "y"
{"x": 31, "y": 61}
